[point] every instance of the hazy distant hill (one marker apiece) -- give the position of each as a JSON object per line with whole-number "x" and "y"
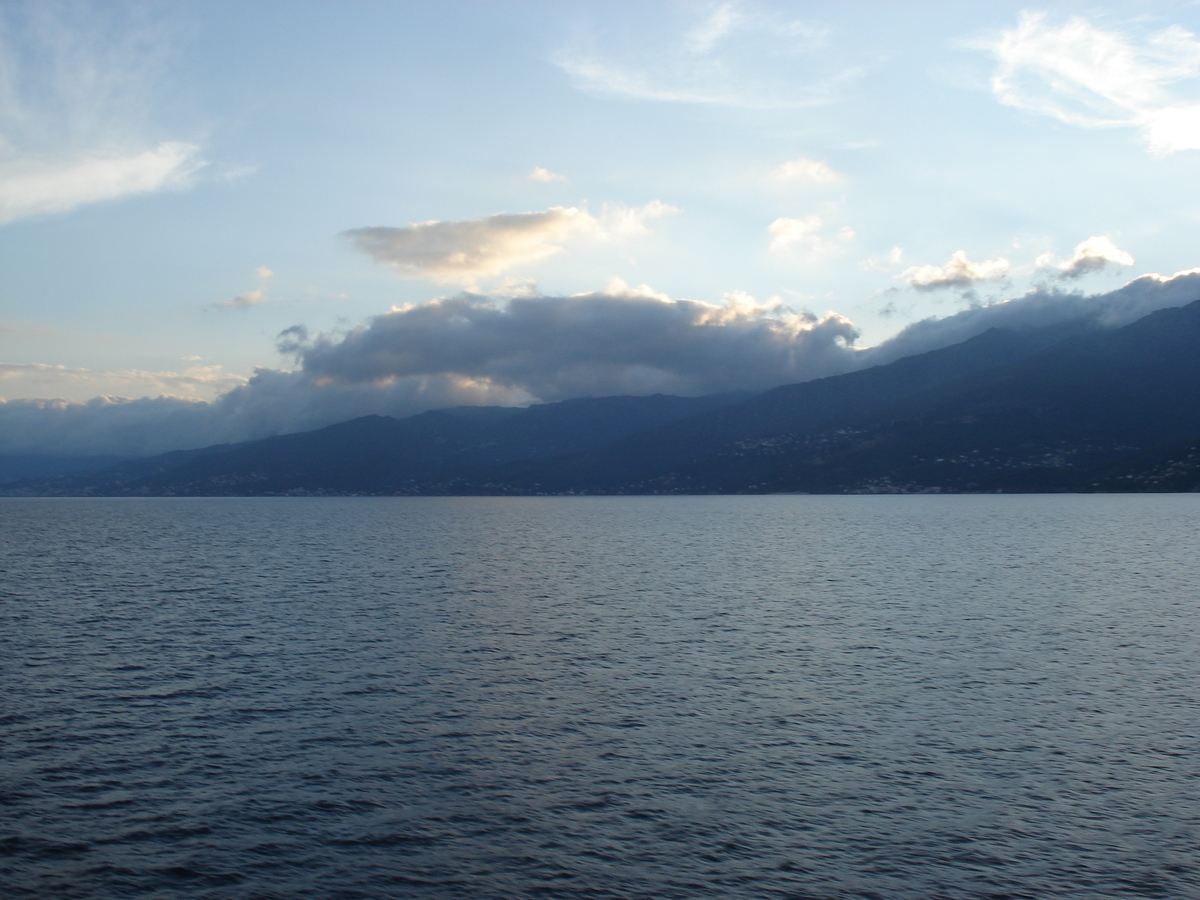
{"x": 376, "y": 454}
{"x": 15, "y": 466}
{"x": 1042, "y": 410}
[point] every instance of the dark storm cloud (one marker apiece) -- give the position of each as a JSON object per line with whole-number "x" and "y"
{"x": 627, "y": 342}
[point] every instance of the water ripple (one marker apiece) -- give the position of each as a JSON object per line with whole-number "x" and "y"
{"x": 795, "y": 697}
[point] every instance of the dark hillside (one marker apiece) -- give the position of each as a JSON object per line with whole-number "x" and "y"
{"x": 380, "y": 455}
{"x": 1052, "y": 421}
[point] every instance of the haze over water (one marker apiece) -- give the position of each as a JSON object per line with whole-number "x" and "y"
{"x": 805, "y": 697}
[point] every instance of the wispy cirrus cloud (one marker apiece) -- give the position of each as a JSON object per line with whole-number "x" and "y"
{"x": 462, "y": 252}
{"x": 731, "y": 55}
{"x": 1095, "y": 78}
{"x": 32, "y": 186}
{"x": 77, "y": 106}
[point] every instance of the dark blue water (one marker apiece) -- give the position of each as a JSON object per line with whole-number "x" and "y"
{"x": 755, "y": 697}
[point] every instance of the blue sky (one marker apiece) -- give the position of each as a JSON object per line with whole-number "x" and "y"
{"x": 182, "y": 182}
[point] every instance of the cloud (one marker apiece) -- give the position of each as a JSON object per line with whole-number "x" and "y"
{"x": 30, "y": 187}
{"x": 540, "y": 174}
{"x": 256, "y": 297}
{"x": 893, "y": 260}
{"x": 271, "y": 402}
{"x": 515, "y": 287}
{"x": 1092, "y": 255}
{"x": 723, "y": 20}
{"x": 803, "y": 170}
{"x": 1043, "y": 307}
{"x": 732, "y": 56}
{"x": 245, "y": 300}
{"x": 75, "y": 109}
{"x": 459, "y": 350}
{"x": 959, "y": 272}
{"x": 104, "y": 426}
{"x": 804, "y": 237}
{"x": 469, "y": 349}
{"x": 236, "y": 174}
{"x": 619, "y": 221}
{"x": 30, "y": 378}
{"x": 1088, "y": 77}
{"x": 461, "y": 252}
{"x": 618, "y": 341}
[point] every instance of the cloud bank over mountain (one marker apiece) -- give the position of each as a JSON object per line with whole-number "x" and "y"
{"x": 473, "y": 350}
{"x": 1040, "y": 308}
{"x": 621, "y": 341}
{"x": 1092, "y": 255}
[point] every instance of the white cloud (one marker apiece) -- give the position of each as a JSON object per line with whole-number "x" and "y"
{"x": 30, "y": 187}
{"x": 732, "y": 56}
{"x": 461, "y": 252}
{"x": 246, "y": 299}
{"x": 804, "y": 237}
{"x": 803, "y": 170}
{"x": 959, "y": 272}
{"x": 620, "y": 221}
{"x": 1085, "y": 76}
{"x": 705, "y": 36}
{"x": 1092, "y": 255}
{"x": 889, "y": 263}
{"x": 236, "y": 174}
{"x": 256, "y": 297}
{"x": 540, "y": 174}
{"x": 75, "y": 108}
{"x": 514, "y": 287}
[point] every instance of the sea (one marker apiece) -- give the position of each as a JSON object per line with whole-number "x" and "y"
{"x": 805, "y": 697}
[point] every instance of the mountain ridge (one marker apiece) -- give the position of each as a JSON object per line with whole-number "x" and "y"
{"x": 1067, "y": 407}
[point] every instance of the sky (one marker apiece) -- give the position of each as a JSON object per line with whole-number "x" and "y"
{"x": 224, "y": 220}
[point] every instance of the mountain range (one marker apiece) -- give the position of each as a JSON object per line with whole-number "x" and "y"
{"x": 1064, "y": 408}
